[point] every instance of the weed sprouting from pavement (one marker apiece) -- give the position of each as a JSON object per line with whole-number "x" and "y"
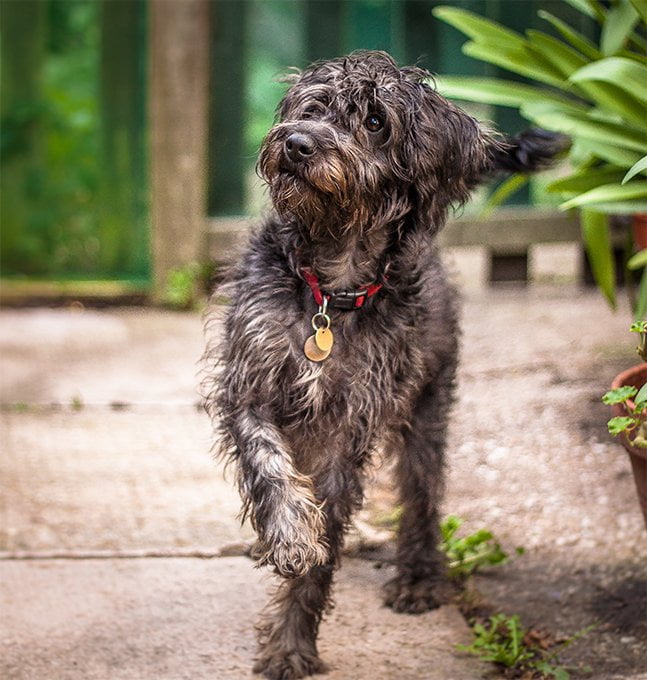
{"x": 527, "y": 653}
{"x": 500, "y": 639}
{"x": 466, "y": 555}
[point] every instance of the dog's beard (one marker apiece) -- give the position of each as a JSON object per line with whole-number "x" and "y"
{"x": 315, "y": 194}
{"x": 337, "y": 192}
{"x": 299, "y": 198}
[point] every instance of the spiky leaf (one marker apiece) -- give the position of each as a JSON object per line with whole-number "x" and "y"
{"x": 501, "y": 92}
{"x": 586, "y": 180}
{"x": 620, "y": 22}
{"x": 563, "y": 58}
{"x": 627, "y": 74}
{"x": 638, "y": 260}
{"x": 639, "y": 166}
{"x": 641, "y": 304}
{"x": 577, "y": 40}
{"x": 582, "y": 126}
{"x": 608, "y": 193}
{"x": 476, "y": 27}
{"x": 588, "y": 7}
{"x": 597, "y": 241}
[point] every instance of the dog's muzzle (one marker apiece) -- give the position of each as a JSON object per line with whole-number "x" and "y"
{"x": 299, "y": 147}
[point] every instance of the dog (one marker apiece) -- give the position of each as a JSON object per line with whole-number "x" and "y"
{"x": 341, "y": 334}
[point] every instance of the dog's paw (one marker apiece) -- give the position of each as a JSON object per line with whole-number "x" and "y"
{"x": 410, "y": 596}
{"x": 295, "y": 541}
{"x": 295, "y": 558}
{"x": 288, "y": 665}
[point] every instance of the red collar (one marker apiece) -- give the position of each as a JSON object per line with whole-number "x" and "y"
{"x": 339, "y": 299}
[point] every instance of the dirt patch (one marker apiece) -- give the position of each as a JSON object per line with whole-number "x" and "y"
{"x": 623, "y": 607}
{"x": 563, "y": 599}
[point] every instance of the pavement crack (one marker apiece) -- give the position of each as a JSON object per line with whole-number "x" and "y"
{"x": 238, "y": 549}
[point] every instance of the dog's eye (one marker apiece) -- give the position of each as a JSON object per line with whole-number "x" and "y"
{"x": 374, "y": 123}
{"x": 312, "y": 110}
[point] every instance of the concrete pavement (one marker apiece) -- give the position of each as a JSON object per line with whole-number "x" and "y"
{"x": 105, "y": 466}
{"x": 131, "y": 619}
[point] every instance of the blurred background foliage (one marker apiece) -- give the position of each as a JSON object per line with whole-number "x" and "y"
{"x": 73, "y": 139}
{"x": 49, "y": 136}
{"x": 74, "y": 134}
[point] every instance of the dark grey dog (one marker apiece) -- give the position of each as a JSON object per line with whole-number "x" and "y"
{"x": 341, "y": 335}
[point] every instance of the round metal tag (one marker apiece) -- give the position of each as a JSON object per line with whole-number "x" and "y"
{"x": 324, "y": 339}
{"x": 313, "y": 352}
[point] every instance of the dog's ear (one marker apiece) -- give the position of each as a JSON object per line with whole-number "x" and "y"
{"x": 454, "y": 152}
{"x": 450, "y": 152}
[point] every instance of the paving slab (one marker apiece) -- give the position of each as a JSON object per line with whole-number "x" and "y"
{"x": 87, "y": 356}
{"x": 97, "y": 479}
{"x": 171, "y": 619}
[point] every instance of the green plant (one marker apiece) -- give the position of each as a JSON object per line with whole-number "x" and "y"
{"x": 594, "y": 92}
{"x": 640, "y": 327}
{"x": 499, "y": 640}
{"x": 182, "y": 286}
{"x": 503, "y": 641}
{"x": 466, "y": 555}
{"x": 634, "y": 401}
{"x": 76, "y": 403}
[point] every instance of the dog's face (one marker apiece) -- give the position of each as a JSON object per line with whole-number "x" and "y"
{"x": 362, "y": 143}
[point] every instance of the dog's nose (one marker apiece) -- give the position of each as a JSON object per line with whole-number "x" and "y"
{"x": 299, "y": 147}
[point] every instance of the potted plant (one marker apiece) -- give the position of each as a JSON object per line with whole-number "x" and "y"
{"x": 596, "y": 93}
{"x": 628, "y": 401}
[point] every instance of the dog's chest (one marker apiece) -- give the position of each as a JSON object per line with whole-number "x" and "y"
{"x": 368, "y": 378}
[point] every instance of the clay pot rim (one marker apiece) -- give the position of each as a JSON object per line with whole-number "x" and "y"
{"x": 636, "y": 376}
{"x": 629, "y": 375}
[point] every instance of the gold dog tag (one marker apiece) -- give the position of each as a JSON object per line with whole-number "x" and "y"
{"x": 324, "y": 339}
{"x": 313, "y": 352}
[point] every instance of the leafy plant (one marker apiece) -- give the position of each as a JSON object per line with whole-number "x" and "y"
{"x": 640, "y": 327}
{"x": 499, "y": 640}
{"x": 466, "y": 555}
{"x": 503, "y": 641}
{"x": 49, "y": 141}
{"x": 76, "y": 403}
{"x": 182, "y": 284}
{"x": 594, "y": 92}
{"x": 633, "y": 425}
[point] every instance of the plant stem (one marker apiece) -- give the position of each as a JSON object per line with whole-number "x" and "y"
{"x": 469, "y": 560}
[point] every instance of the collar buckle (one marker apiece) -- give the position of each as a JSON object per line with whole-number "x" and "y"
{"x": 345, "y": 299}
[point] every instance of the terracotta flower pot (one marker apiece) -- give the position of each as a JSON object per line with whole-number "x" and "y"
{"x": 639, "y": 225}
{"x": 637, "y": 377}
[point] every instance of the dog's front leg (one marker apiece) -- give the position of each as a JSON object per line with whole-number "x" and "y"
{"x": 279, "y": 500}
{"x": 290, "y": 624}
{"x": 288, "y": 630}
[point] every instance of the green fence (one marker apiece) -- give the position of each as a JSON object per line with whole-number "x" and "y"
{"x": 74, "y": 180}
{"x": 73, "y": 145}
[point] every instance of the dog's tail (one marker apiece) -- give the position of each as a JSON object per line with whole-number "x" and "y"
{"x": 532, "y": 150}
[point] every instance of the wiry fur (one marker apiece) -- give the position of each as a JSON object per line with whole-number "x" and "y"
{"x": 359, "y": 203}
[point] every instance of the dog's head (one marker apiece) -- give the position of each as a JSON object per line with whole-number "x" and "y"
{"x": 361, "y": 142}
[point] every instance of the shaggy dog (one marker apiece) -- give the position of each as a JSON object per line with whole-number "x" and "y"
{"x": 341, "y": 333}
